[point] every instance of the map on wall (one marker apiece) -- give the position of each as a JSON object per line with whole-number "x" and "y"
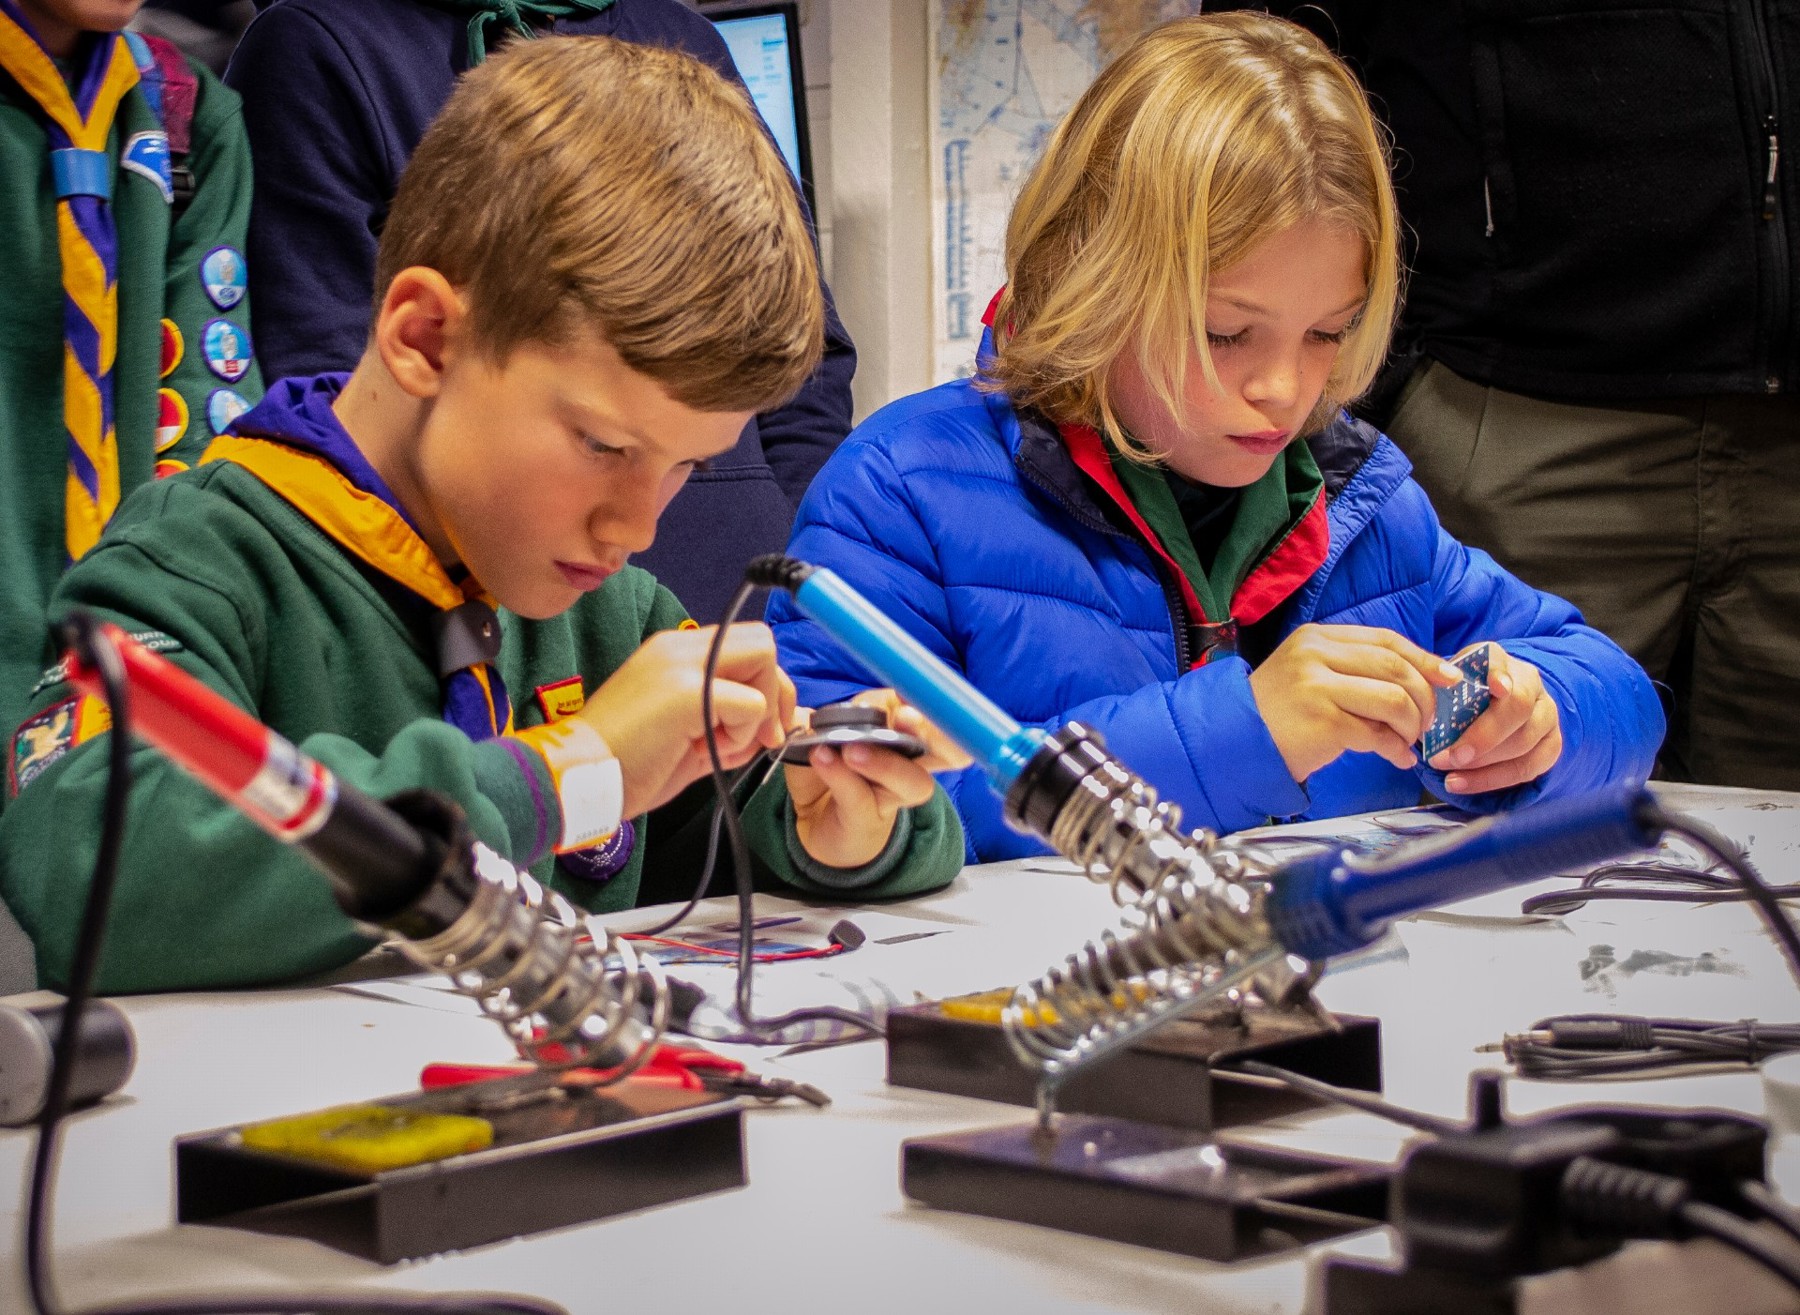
{"x": 1006, "y": 73}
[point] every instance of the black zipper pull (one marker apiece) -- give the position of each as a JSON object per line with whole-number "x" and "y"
{"x": 1769, "y": 126}
{"x": 1213, "y": 639}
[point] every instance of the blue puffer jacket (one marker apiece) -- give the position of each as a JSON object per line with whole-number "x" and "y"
{"x": 971, "y": 526}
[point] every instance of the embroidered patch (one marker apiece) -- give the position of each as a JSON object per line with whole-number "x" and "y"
{"x": 226, "y": 347}
{"x": 223, "y": 405}
{"x": 154, "y": 640}
{"x": 173, "y": 347}
{"x": 52, "y": 733}
{"x": 92, "y": 717}
{"x": 689, "y": 624}
{"x": 171, "y": 418}
{"x": 39, "y": 742}
{"x": 146, "y": 154}
{"x": 224, "y": 276}
{"x": 169, "y": 466}
{"x": 562, "y": 698}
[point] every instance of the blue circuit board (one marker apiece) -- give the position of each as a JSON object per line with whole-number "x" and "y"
{"x": 1460, "y": 705}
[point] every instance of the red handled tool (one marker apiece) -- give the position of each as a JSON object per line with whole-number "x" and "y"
{"x": 684, "y": 1068}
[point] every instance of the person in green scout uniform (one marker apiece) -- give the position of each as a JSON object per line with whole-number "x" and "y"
{"x": 550, "y": 359}
{"x": 125, "y": 198}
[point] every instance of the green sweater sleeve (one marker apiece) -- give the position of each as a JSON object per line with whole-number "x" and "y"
{"x": 204, "y": 898}
{"x": 924, "y": 854}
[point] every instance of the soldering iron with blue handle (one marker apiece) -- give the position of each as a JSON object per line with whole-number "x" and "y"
{"x": 1068, "y": 790}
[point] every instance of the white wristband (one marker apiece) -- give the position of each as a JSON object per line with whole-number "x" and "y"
{"x": 589, "y": 783}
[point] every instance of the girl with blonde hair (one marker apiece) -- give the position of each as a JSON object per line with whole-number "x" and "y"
{"x": 1149, "y": 511}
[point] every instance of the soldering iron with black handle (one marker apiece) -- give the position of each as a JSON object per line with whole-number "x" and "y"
{"x": 409, "y": 870}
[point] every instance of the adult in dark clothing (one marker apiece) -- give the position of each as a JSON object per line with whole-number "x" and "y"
{"x": 336, "y": 95}
{"x": 1599, "y": 369}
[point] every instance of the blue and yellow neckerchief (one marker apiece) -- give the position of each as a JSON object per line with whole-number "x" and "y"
{"x": 325, "y": 477}
{"x": 78, "y": 118}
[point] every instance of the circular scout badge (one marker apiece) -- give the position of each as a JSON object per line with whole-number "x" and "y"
{"x": 171, "y": 418}
{"x": 222, "y": 407}
{"x": 168, "y": 467}
{"x": 227, "y": 349}
{"x": 172, "y": 347}
{"x": 224, "y": 275}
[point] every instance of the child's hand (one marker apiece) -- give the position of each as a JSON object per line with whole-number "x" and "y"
{"x": 648, "y": 711}
{"x": 1516, "y": 740}
{"x": 1330, "y": 689}
{"x": 845, "y": 803}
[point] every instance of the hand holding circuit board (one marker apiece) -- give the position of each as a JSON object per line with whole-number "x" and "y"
{"x": 1496, "y": 728}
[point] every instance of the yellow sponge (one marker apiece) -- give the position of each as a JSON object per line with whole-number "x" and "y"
{"x": 371, "y": 1138}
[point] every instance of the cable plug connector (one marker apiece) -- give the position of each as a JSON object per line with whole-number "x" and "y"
{"x": 777, "y": 571}
{"x": 1578, "y": 1033}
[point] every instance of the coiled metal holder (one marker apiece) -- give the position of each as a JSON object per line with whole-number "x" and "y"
{"x": 1199, "y": 937}
{"x": 565, "y": 996}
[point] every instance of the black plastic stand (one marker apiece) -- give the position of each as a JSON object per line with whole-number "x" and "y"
{"x": 1171, "y": 1077}
{"x": 566, "y": 1160}
{"x": 1154, "y": 1186}
{"x": 1475, "y": 1211}
{"x": 1366, "y": 1287}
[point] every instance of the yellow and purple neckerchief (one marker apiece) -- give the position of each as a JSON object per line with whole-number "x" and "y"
{"x": 78, "y": 115}
{"x": 293, "y": 443}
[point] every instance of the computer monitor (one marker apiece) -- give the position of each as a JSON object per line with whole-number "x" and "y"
{"x": 764, "y": 41}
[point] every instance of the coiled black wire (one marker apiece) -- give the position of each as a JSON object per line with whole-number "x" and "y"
{"x": 1571, "y": 1047}
{"x": 740, "y": 857}
{"x": 1663, "y": 883}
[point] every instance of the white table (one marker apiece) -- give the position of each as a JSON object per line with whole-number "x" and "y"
{"x": 823, "y": 1225}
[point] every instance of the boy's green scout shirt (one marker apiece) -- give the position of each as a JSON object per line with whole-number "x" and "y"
{"x": 181, "y": 305}
{"x": 228, "y": 579}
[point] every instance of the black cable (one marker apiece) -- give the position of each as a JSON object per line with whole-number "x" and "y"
{"x": 1556, "y": 902}
{"x": 1761, "y": 1198}
{"x": 740, "y": 857}
{"x": 1571, "y": 1047}
{"x": 712, "y": 852}
{"x": 1723, "y": 1226}
{"x": 1602, "y": 1199}
{"x": 1366, "y": 1101}
{"x": 1710, "y": 842}
{"x": 1661, "y": 882}
{"x": 82, "y": 633}
{"x": 357, "y": 1303}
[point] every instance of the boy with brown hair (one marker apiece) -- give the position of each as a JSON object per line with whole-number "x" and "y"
{"x": 546, "y": 367}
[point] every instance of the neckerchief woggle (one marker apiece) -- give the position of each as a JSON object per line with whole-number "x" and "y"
{"x": 78, "y": 115}
{"x": 293, "y": 442}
